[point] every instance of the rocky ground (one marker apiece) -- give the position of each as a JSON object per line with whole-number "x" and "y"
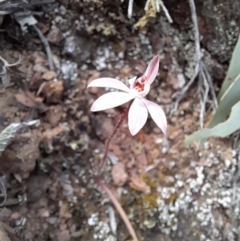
{"x": 169, "y": 192}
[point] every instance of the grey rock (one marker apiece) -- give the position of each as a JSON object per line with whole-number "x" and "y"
{"x": 78, "y": 48}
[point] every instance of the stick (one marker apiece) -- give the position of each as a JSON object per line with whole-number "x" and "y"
{"x": 204, "y": 99}
{"x": 165, "y": 11}
{"x": 198, "y": 56}
{"x": 46, "y": 46}
{"x": 130, "y": 8}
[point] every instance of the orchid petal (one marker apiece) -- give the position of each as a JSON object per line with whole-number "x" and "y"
{"x": 109, "y": 83}
{"x": 132, "y": 81}
{"x": 157, "y": 115}
{"x": 152, "y": 69}
{"x": 137, "y": 116}
{"x": 111, "y": 100}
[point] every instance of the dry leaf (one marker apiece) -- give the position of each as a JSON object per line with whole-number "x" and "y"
{"x": 28, "y": 99}
{"x": 53, "y": 91}
{"x": 49, "y": 75}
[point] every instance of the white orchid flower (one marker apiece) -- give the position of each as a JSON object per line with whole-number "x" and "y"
{"x": 139, "y": 88}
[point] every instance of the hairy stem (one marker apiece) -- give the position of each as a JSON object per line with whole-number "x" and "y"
{"x": 103, "y": 161}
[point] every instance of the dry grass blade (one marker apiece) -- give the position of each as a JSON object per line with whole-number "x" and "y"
{"x": 119, "y": 209}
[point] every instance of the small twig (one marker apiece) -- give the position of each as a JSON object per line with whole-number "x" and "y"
{"x": 165, "y": 11}
{"x": 46, "y": 46}
{"x": 6, "y": 68}
{"x": 198, "y": 56}
{"x": 130, "y": 8}
{"x": 147, "y": 5}
{"x": 205, "y": 86}
{"x": 119, "y": 208}
{"x": 214, "y": 101}
{"x": 6, "y": 64}
{"x": 204, "y": 98}
{"x": 41, "y": 88}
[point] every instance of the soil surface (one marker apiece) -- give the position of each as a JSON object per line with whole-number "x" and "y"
{"x": 169, "y": 192}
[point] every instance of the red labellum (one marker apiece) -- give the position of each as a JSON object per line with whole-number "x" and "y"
{"x": 140, "y": 83}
